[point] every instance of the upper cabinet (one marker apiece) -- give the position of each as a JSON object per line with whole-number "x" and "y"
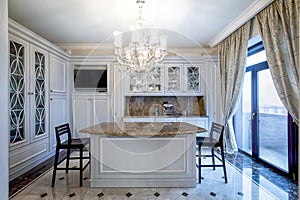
{"x": 155, "y": 80}
{"x": 29, "y": 99}
{"x": 18, "y": 89}
{"x": 169, "y": 79}
{"x": 140, "y": 83}
{"x": 173, "y": 74}
{"x": 28, "y": 92}
{"x": 58, "y": 75}
{"x": 39, "y": 91}
{"x": 192, "y": 78}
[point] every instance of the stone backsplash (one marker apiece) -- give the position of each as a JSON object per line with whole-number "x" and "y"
{"x": 145, "y": 105}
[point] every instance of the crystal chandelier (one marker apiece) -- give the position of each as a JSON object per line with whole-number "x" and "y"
{"x": 146, "y": 48}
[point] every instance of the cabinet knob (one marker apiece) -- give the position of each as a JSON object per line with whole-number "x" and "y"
{"x": 51, "y": 99}
{"x": 51, "y": 90}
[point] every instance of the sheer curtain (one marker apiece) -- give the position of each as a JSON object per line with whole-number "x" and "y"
{"x": 279, "y": 28}
{"x": 232, "y": 56}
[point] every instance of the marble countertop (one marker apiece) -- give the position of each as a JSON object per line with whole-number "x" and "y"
{"x": 143, "y": 129}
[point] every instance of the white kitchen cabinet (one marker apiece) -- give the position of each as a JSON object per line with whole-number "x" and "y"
{"x": 39, "y": 98}
{"x": 19, "y": 89}
{"x": 191, "y": 79}
{"x": 35, "y": 67}
{"x": 211, "y": 77}
{"x": 152, "y": 82}
{"x": 89, "y": 110}
{"x": 167, "y": 79}
{"x": 58, "y": 116}
{"x": 58, "y": 75}
{"x": 29, "y": 103}
{"x": 173, "y": 78}
{"x": 28, "y": 93}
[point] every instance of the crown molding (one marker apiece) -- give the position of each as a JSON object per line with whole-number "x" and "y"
{"x": 85, "y": 46}
{"x": 107, "y": 49}
{"x": 26, "y": 34}
{"x": 245, "y": 16}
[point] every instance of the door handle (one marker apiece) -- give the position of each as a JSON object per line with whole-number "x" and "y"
{"x": 253, "y": 115}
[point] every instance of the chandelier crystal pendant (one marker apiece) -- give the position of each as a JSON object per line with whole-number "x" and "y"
{"x": 146, "y": 48}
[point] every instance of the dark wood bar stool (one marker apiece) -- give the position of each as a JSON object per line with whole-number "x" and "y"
{"x": 215, "y": 139}
{"x": 70, "y": 143}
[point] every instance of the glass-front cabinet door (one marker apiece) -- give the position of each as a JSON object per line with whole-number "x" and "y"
{"x": 28, "y": 93}
{"x": 192, "y": 78}
{"x": 146, "y": 82}
{"x": 39, "y": 88}
{"x": 173, "y": 78}
{"x": 155, "y": 80}
{"x": 137, "y": 82}
{"x": 17, "y": 92}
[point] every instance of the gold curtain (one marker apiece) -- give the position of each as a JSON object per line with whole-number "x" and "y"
{"x": 279, "y": 29}
{"x": 232, "y": 56}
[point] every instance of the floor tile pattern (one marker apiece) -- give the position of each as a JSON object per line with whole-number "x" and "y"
{"x": 240, "y": 161}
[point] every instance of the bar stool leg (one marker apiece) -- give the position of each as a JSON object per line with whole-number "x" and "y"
{"x": 68, "y": 160}
{"x": 199, "y": 161}
{"x": 81, "y": 166}
{"x": 223, "y": 162}
{"x": 55, "y": 166}
{"x": 213, "y": 157}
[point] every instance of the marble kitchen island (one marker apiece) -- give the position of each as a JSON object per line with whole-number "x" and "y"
{"x": 143, "y": 154}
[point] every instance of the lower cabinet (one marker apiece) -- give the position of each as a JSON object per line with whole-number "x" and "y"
{"x": 58, "y": 115}
{"x": 88, "y": 110}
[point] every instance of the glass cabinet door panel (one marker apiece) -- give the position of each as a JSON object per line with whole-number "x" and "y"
{"x": 154, "y": 79}
{"x": 173, "y": 77}
{"x": 137, "y": 82}
{"x": 193, "y": 77}
{"x": 39, "y": 93}
{"x": 17, "y": 92}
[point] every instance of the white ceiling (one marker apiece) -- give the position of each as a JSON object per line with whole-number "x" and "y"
{"x": 93, "y": 21}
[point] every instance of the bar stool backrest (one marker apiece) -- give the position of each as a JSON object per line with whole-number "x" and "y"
{"x": 61, "y": 131}
{"x": 216, "y": 133}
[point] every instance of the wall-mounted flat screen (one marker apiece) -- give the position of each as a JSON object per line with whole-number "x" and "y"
{"x": 90, "y": 77}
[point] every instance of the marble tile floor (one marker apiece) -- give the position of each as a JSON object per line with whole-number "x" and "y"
{"x": 264, "y": 175}
{"x": 22, "y": 181}
{"x": 240, "y": 186}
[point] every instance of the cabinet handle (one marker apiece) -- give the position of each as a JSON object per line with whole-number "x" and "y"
{"x": 51, "y": 99}
{"x": 30, "y": 93}
{"x": 51, "y": 90}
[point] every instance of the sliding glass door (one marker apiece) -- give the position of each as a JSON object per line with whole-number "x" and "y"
{"x": 246, "y": 109}
{"x": 273, "y": 123}
{"x": 264, "y": 118}
{"x": 263, "y": 127}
